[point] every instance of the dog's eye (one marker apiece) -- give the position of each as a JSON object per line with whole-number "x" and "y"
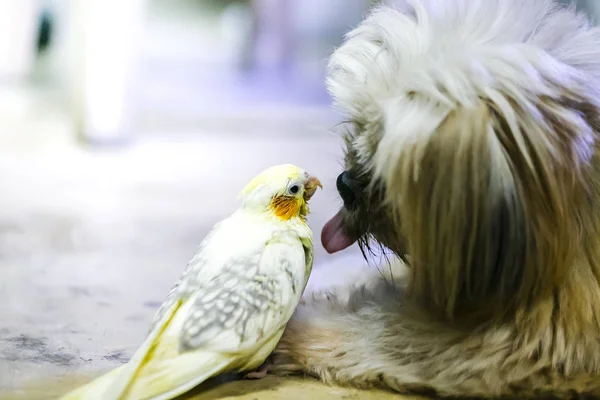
{"x": 294, "y": 189}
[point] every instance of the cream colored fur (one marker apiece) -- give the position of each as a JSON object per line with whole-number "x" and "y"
{"x": 479, "y": 121}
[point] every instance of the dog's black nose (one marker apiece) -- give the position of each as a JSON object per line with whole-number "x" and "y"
{"x": 347, "y": 188}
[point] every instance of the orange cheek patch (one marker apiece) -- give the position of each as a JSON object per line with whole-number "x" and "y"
{"x": 285, "y": 207}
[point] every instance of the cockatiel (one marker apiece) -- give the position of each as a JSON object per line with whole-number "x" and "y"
{"x": 231, "y": 304}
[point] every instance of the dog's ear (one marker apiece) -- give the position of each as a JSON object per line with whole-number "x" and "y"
{"x": 488, "y": 196}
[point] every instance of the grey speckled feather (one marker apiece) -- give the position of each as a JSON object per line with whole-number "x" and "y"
{"x": 239, "y": 293}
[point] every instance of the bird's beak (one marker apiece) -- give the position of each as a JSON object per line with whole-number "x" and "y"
{"x": 310, "y": 186}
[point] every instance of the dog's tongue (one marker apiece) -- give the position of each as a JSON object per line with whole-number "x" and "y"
{"x": 333, "y": 236}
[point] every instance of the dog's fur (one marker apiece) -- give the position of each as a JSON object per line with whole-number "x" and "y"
{"x": 475, "y": 139}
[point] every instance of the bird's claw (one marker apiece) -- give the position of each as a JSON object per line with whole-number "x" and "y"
{"x": 259, "y": 373}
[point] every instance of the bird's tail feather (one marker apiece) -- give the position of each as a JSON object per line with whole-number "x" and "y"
{"x": 167, "y": 379}
{"x": 112, "y": 385}
{"x": 157, "y": 370}
{"x": 96, "y": 389}
{"x": 121, "y": 384}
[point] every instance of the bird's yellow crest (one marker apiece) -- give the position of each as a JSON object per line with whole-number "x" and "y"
{"x": 283, "y": 190}
{"x": 274, "y": 175}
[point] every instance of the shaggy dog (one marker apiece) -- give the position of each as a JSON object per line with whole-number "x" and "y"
{"x": 473, "y": 156}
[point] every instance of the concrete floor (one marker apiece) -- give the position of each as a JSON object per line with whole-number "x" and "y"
{"x": 91, "y": 241}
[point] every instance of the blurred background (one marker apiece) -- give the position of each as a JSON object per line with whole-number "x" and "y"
{"x": 126, "y": 130}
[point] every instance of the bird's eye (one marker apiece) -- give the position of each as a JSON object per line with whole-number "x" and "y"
{"x": 294, "y": 189}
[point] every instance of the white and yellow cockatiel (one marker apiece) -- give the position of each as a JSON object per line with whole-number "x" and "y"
{"x": 231, "y": 304}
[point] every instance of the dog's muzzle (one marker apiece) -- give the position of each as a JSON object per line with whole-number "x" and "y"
{"x": 349, "y": 189}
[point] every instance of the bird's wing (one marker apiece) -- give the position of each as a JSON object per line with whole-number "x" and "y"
{"x": 251, "y": 298}
{"x": 309, "y": 258}
{"x": 240, "y": 312}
